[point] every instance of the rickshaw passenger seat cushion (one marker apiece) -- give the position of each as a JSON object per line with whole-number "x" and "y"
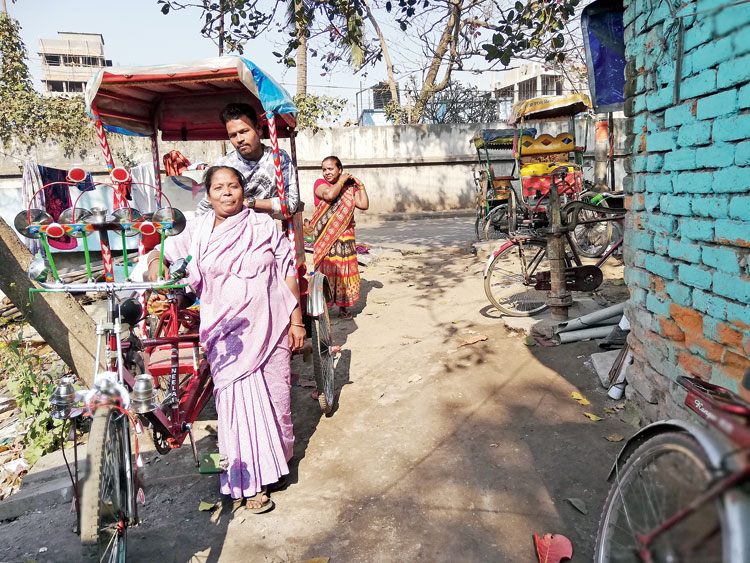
{"x": 537, "y": 179}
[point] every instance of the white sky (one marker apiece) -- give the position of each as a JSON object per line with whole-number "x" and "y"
{"x": 137, "y": 33}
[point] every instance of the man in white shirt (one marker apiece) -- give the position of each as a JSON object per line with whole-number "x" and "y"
{"x": 254, "y": 161}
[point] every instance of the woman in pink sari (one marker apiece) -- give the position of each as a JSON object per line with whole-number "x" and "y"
{"x": 243, "y": 270}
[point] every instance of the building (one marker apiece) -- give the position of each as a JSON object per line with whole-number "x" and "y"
{"x": 69, "y": 61}
{"x": 687, "y": 245}
{"x": 534, "y": 79}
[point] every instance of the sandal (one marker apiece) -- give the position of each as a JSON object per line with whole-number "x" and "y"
{"x": 344, "y": 314}
{"x": 264, "y": 506}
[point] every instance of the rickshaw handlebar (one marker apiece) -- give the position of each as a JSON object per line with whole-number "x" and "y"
{"x": 83, "y": 287}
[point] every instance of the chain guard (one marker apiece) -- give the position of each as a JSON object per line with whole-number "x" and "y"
{"x": 577, "y": 278}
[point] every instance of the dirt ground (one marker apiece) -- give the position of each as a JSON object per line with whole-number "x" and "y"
{"x": 437, "y": 451}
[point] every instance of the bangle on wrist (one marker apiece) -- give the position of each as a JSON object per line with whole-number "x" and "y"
{"x": 297, "y": 324}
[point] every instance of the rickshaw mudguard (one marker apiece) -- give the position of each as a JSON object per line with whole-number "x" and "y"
{"x": 319, "y": 295}
{"x": 719, "y": 450}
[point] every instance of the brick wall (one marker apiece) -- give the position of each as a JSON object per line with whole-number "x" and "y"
{"x": 688, "y": 230}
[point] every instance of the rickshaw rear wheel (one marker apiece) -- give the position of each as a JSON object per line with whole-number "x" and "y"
{"x": 323, "y": 360}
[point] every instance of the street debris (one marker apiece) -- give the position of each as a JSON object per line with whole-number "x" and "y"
{"x": 207, "y": 506}
{"x": 583, "y": 401}
{"x": 529, "y": 340}
{"x": 414, "y": 378}
{"x": 614, "y": 438}
{"x": 592, "y": 416}
{"x": 578, "y": 504}
{"x": 553, "y": 548}
{"x": 469, "y": 340}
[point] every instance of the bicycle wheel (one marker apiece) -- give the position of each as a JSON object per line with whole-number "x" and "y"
{"x": 479, "y": 225}
{"x": 104, "y": 500}
{"x": 323, "y": 360}
{"x": 510, "y": 278}
{"x": 592, "y": 239}
{"x": 659, "y": 478}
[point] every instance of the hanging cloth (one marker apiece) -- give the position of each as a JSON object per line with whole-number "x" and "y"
{"x": 57, "y": 200}
{"x": 175, "y": 163}
{"x": 32, "y": 183}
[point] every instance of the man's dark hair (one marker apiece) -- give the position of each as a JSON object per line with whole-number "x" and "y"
{"x": 238, "y": 111}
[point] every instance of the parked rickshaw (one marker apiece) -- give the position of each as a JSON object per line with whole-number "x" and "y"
{"x": 183, "y": 101}
{"x": 494, "y": 197}
{"x": 537, "y": 156}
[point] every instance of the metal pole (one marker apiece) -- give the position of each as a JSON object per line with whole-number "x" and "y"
{"x": 601, "y": 150}
{"x": 611, "y": 154}
{"x": 559, "y": 298}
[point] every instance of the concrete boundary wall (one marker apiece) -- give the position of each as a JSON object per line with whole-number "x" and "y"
{"x": 406, "y": 168}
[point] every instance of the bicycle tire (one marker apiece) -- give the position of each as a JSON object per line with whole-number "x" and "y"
{"x": 591, "y": 240}
{"x": 323, "y": 361}
{"x": 479, "y": 225}
{"x": 104, "y": 500}
{"x": 507, "y": 287}
{"x": 674, "y": 466}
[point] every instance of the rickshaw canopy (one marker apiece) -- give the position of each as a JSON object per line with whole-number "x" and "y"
{"x": 496, "y": 138}
{"x": 549, "y": 107}
{"x": 184, "y": 100}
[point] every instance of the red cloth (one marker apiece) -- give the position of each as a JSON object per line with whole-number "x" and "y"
{"x": 175, "y": 163}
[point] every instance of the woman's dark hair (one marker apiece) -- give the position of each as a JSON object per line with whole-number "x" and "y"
{"x": 209, "y": 174}
{"x": 238, "y": 111}
{"x": 335, "y": 159}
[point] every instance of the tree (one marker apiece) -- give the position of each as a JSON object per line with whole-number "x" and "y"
{"x": 246, "y": 20}
{"x": 27, "y": 118}
{"x": 461, "y": 104}
{"x": 543, "y": 30}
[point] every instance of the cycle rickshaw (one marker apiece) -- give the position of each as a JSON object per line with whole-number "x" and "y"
{"x": 183, "y": 101}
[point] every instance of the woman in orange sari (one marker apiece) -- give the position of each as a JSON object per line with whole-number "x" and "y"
{"x": 337, "y": 194}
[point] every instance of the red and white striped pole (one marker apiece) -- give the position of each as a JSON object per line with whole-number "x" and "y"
{"x": 288, "y": 223}
{"x": 118, "y": 196}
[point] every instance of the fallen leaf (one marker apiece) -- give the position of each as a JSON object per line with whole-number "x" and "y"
{"x": 618, "y": 282}
{"x": 206, "y": 506}
{"x": 583, "y": 401}
{"x": 529, "y": 340}
{"x": 494, "y": 445}
{"x": 553, "y": 548}
{"x": 610, "y": 411}
{"x": 381, "y": 302}
{"x": 414, "y": 378}
{"x": 473, "y": 340}
{"x": 592, "y": 416}
{"x": 614, "y": 438}
{"x": 578, "y": 504}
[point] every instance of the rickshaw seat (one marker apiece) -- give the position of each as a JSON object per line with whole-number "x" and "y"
{"x": 537, "y": 178}
{"x": 546, "y": 145}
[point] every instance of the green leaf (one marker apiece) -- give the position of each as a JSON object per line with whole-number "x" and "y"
{"x": 519, "y": 7}
{"x": 165, "y": 9}
{"x": 388, "y": 6}
{"x": 235, "y": 19}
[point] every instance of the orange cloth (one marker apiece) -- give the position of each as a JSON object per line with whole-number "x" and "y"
{"x": 175, "y": 163}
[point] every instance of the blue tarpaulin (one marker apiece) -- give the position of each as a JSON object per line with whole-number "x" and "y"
{"x": 603, "y": 39}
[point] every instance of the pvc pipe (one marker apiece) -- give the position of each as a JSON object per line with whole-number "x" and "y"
{"x": 592, "y": 318}
{"x": 593, "y": 332}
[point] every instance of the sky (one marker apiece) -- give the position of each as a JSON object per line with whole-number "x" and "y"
{"x": 137, "y": 33}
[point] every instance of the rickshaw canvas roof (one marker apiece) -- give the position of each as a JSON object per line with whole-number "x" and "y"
{"x": 184, "y": 100}
{"x": 549, "y": 107}
{"x": 497, "y": 138}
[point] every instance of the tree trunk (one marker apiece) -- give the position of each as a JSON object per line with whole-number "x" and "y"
{"x": 301, "y": 63}
{"x": 58, "y": 318}
{"x": 386, "y": 54}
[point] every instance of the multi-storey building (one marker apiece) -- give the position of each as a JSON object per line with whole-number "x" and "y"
{"x": 69, "y": 61}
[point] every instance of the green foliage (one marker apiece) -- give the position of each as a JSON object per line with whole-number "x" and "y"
{"x": 32, "y": 389}
{"x": 28, "y": 118}
{"x": 315, "y": 110}
{"x": 229, "y": 22}
{"x": 396, "y": 113}
{"x": 534, "y": 30}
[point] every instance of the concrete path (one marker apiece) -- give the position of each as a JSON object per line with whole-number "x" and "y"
{"x": 440, "y": 450}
